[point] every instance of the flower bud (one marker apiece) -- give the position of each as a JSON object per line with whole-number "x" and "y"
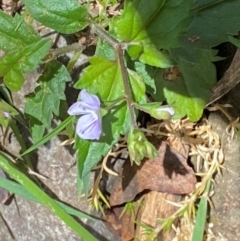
{"x": 162, "y": 113}
{"x": 139, "y": 147}
{"x": 149, "y": 150}
{"x": 156, "y": 110}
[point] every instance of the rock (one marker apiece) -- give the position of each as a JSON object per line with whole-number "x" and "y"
{"x": 226, "y": 199}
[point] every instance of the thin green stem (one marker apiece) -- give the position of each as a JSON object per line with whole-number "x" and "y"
{"x": 119, "y": 50}
{"x": 54, "y": 53}
{"x": 139, "y": 107}
{"x": 102, "y": 33}
{"x": 126, "y": 85}
{"x": 109, "y": 107}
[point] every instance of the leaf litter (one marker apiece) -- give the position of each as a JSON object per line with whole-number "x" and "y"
{"x": 155, "y": 190}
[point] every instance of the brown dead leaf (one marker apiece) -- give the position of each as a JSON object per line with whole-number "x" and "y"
{"x": 167, "y": 173}
{"x": 179, "y": 146}
{"x": 155, "y": 206}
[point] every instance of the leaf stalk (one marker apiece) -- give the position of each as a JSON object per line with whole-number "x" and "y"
{"x": 119, "y": 51}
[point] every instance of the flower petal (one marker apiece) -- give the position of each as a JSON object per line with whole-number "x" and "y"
{"x": 168, "y": 109}
{"x": 89, "y": 127}
{"x": 6, "y": 114}
{"x": 80, "y": 108}
{"x": 90, "y": 99}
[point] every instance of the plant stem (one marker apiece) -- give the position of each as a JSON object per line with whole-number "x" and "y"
{"x": 126, "y": 85}
{"x": 119, "y": 50}
{"x": 109, "y": 107}
{"x": 54, "y": 53}
{"x": 102, "y": 33}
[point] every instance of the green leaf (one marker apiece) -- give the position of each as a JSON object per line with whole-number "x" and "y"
{"x": 15, "y": 32}
{"x": 14, "y": 79}
{"x": 37, "y": 129}
{"x": 157, "y": 22}
{"x": 199, "y": 5}
{"x": 63, "y": 16}
{"x": 7, "y": 165}
{"x": 189, "y": 94}
{"x": 154, "y": 57}
{"x": 32, "y": 55}
{"x": 234, "y": 41}
{"x": 46, "y": 98}
{"x": 138, "y": 86}
{"x": 104, "y": 49}
{"x": 134, "y": 51}
{"x": 25, "y": 60}
{"x": 212, "y": 23}
{"x": 103, "y": 77}
{"x": 144, "y": 71}
{"x": 49, "y": 136}
{"x": 6, "y": 94}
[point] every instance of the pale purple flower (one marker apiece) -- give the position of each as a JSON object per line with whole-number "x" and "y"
{"x": 6, "y": 114}
{"x": 89, "y": 124}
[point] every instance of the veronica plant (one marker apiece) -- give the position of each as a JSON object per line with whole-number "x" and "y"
{"x": 163, "y": 50}
{"x": 153, "y": 53}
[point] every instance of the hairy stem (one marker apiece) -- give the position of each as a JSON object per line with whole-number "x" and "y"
{"x": 54, "y": 53}
{"x": 102, "y": 33}
{"x": 119, "y": 50}
{"x": 109, "y": 107}
{"x": 126, "y": 85}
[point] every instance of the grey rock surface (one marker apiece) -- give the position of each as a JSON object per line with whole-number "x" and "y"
{"x": 226, "y": 214}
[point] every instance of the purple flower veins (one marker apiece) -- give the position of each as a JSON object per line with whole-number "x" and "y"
{"x": 89, "y": 124}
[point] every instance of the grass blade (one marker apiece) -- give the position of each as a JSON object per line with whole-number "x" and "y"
{"x": 19, "y": 190}
{"x": 49, "y": 136}
{"x": 7, "y": 165}
{"x": 199, "y": 226}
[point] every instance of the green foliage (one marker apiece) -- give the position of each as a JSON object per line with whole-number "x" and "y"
{"x": 153, "y": 23}
{"x": 189, "y": 94}
{"x": 157, "y": 36}
{"x": 150, "y": 26}
{"x": 15, "y": 33}
{"x": 212, "y": 22}
{"x": 103, "y": 77}
{"x": 49, "y": 136}
{"x": 63, "y": 16}
{"x": 234, "y": 41}
{"x": 25, "y": 60}
{"x": 45, "y": 101}
{"x": 104, "y": 49}
{"x": 199, "y": 226}
{"x": 155, "y": 57}
{"x": 145, "y": 72}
